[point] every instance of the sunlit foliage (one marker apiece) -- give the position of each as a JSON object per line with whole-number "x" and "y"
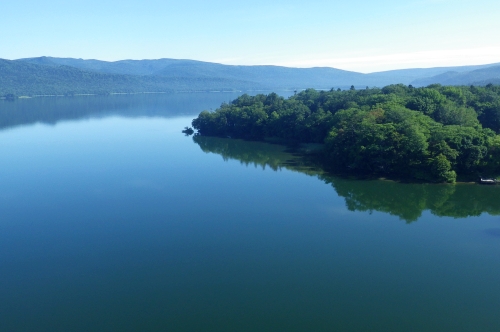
{"x": 431, "y": 134}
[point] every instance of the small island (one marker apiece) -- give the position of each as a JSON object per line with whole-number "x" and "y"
{"x": 188, "y": 131}
{"x": 431, "y": 134}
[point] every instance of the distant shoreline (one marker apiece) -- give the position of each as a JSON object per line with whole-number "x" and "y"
{"x": 50, "y": 76}
{"x": 152, "y": 92}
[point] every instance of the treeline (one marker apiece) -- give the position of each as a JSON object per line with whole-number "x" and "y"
{"x": 430, "y": 134}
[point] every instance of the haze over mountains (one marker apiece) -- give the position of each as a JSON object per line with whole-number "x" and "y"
{"x": 67, "y": 76}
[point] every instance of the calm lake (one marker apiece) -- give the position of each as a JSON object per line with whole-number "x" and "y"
{"x": 112, "y": 220}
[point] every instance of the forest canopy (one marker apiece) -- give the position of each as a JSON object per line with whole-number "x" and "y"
{"x": 431, "y": 134}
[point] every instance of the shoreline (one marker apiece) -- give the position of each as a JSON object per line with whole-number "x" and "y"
{"x": 309, "y": 153}
{"x": 142, "y": 93}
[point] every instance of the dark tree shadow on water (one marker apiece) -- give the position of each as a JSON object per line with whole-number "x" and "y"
{"x": 405, "y": 200}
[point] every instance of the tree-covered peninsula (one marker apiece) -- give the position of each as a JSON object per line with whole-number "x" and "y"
{"x": 431, "y": 134}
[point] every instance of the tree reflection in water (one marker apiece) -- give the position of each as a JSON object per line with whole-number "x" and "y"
{"x": 405, "y": 200}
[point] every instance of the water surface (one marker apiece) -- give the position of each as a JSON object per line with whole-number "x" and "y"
{"x": 111, "y": 219}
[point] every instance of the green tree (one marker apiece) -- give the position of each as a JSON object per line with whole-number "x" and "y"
{"x": 441, "y": 169}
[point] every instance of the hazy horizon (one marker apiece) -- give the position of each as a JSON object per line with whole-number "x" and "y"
{"x": 360, "y": 35}
{"x": 278, "y": 65}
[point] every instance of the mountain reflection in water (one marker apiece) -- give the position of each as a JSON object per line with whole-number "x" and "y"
{"x": 51, "y": 110}
{"x": 405, "y": 200}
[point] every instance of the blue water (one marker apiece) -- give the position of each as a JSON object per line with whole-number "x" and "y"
{"x": 113, "y": 220}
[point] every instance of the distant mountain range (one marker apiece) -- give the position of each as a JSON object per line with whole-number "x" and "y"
{"x": 68, "y": 76}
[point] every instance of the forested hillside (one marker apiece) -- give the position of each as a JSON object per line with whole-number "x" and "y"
{"x": 20, "y": 78}
{"x": 481, "y": 76}
{"x": 429, "y": 134}
{"x": 67, "y": 76}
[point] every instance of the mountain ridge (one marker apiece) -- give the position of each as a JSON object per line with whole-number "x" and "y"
{"x": 66, "y": 76}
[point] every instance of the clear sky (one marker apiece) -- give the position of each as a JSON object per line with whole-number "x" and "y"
{"x": 360, "y": 35}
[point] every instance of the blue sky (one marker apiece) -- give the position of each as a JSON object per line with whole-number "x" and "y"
{"x": 355, "y": 35}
